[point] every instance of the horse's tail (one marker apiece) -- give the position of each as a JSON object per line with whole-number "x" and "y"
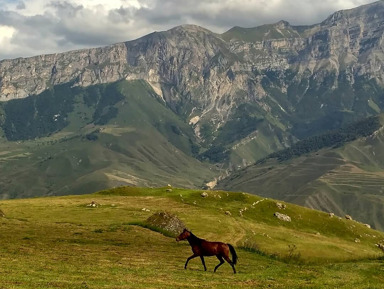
{"x": 233, "y": 253}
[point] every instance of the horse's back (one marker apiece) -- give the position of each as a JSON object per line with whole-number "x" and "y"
{"x": 214, "y": 248}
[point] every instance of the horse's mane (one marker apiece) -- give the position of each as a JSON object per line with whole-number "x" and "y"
{"x": 195, "y": 238}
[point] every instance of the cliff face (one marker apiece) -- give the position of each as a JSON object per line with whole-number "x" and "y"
{"x": 282, "y": 69}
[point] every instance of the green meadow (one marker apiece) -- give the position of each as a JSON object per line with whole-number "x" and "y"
{"x": 62, "y": 242}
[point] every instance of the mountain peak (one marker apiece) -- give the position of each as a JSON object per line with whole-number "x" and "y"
{"x": 372, "y": 11}
{"x": 282, "y": 24}
{"x": 191, "y": 28}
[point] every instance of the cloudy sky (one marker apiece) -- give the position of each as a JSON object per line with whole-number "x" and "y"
{"x": 33, "y": 27}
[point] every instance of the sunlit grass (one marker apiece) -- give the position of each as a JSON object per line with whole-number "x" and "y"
{"x": 63, "y": 243}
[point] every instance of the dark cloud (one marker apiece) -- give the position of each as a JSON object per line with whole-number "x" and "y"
{"x": 224, "y": 14}
{"x": 79, "y": 25}
{"x": 121, "y": 15}
{"x": 20, "y": 6}
{"x": 73, "y": 24}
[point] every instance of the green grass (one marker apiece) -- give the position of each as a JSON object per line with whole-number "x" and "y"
{"x": 260, "y": 33}
{"x": 60, "y": 242}
{"x": 144, "y": 144}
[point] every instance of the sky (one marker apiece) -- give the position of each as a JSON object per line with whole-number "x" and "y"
{"x": 35, "y": 27}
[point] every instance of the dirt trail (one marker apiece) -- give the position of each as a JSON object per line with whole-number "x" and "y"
{"x": 240, "y": 233}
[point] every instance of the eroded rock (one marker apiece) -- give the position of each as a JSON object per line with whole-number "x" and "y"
{"x": 282, "y": 217}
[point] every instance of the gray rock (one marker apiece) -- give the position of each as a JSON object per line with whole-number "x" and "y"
{"x": 186, "y": 60}
{"x": 167, "y": 222}
{"x": 281, "y": 206}
{"x": 282, "y": 217}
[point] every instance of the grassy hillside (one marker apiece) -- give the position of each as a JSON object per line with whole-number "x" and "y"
{"x": 112, "y": 135}
{"x": 281, "y": 30}
{"x": 344, "y": 180}
{"x": 61, "y": 242}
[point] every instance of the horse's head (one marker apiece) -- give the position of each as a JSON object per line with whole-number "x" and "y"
{"x": 184, "y": 235}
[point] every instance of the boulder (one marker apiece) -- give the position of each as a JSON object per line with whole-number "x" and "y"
{"x": 204, "y": 194}
{"x": 348, "y": 217}
{"x": 282, "y": 217}
{"x": 167, "y": 222}
{"x": 281, "y": 206}
{"x": 93, "y": 204}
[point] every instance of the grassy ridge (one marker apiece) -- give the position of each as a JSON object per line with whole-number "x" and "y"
{"x": 63, "y": 243}
{"x": 264, "y": 32}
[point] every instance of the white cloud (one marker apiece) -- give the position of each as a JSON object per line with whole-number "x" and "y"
{"x": 32, "y": 27}
{"x": 6, "y": 33}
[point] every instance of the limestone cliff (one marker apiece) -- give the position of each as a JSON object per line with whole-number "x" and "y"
{"x": 205, "y": 77}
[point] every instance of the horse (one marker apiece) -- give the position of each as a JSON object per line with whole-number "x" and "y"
{"x": 201, "y": 248}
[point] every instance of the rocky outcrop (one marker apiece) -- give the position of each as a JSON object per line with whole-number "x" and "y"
{"x": 282, "y": 217}
{"x": 206, "y": 77}
{"x": 26, "y": 76}
{"x": 165, "y": 222}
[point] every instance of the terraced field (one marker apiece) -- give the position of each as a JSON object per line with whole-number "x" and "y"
{"x": 351, "y": 178}
{"x": 345, "y": 180}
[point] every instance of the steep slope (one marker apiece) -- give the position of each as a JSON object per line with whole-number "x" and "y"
{"x": 344, "y": 180}
{"x": 104, "y": 136}
{"x": 295, "y": 81}
{"x": 71, "y": 119}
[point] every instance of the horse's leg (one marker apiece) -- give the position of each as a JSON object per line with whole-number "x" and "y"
{"x": 189, "y": 258}
{"x": 221, "y": 262}
{"x": 202, "y": 261}
{"x": 230, "y": 263}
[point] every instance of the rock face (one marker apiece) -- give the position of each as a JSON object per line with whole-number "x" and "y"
{"x": 206, "y": 77}
{"x": 166, "y": 222}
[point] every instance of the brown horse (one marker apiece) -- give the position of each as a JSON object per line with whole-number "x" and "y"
{"x": 203, "y": 248}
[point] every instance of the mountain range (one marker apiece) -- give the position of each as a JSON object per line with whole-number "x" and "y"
{"x": 191, "y": 107}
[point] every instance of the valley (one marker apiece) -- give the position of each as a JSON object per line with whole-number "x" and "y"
{"x": 196, "y": 109}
